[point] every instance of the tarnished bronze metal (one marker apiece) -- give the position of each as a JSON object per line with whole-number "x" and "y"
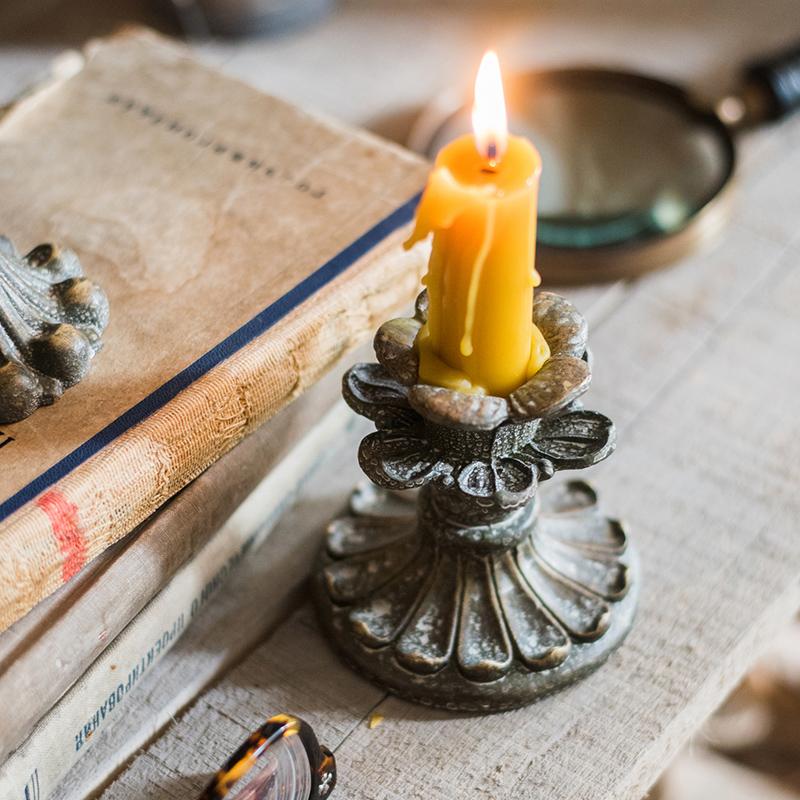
{"x": 51, "y": 321}
{"x": 475, "y": 593}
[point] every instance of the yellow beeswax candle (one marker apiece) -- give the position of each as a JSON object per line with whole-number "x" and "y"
{"x": 480, "y": 205}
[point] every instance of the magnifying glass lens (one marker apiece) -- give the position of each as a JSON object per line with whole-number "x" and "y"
{"x": 626, "y": 158}
{"x": 280, "y": 772}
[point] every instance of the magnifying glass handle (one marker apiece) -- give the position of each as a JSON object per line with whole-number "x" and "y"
{"x": 777, "y": 80}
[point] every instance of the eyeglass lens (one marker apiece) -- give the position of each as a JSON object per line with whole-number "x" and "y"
{"x": 281, "y": 772}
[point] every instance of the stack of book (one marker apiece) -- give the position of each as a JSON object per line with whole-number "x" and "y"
{"x": 245, "y": 247}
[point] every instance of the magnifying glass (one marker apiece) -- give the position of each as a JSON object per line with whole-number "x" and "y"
{"x": 282, "y": 760}
{"x": 638, "y": 172}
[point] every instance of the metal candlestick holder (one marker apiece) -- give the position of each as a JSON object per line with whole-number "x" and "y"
{"x": 476, "y": 594}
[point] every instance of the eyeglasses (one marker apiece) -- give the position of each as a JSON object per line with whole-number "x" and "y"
{"x": 282, "y": 760}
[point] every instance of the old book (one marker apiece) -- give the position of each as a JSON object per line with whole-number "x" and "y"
{"x": 45, "y": 652}
{"x": 244, "y": 246}
{"x": 67, "y": 732}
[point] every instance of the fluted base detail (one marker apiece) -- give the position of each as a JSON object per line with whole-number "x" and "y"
{"x": 454, "y": 624}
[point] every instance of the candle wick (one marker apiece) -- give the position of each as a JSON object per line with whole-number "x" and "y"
{"x": 491, "y": 158}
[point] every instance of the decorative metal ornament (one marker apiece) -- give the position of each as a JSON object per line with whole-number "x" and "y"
{"x": 51, "y": 321}
{"x": 477, "y": 594}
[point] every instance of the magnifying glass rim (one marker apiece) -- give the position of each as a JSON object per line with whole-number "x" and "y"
{"x": 647, "y": 251}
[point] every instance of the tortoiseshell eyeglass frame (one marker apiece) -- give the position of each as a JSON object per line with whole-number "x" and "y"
{"x": 320, "y": 759}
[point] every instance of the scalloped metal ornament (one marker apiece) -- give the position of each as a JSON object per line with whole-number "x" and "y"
{"x": 51, "y": 321}
{"x": 477, "y": 593}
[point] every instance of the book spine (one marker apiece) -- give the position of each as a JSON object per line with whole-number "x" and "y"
{"x": 95, "y": 505}
{"x": 46, "y": 651}
{"x": 65, "y": 734}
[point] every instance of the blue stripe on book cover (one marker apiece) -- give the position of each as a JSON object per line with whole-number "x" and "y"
{"x": 259, "y": 324}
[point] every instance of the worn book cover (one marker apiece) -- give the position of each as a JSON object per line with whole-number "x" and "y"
{"x": 244, "y": 246}
{"x": 45, "y": 652}
{"x": 102, "y": 693}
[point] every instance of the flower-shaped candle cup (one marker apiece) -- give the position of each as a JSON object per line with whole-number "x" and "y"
{"x": 479, "y": 595}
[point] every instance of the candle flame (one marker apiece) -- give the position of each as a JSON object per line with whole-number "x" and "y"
{"x": 489, "y": 120}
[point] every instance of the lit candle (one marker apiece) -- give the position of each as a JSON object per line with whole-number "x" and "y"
{"x": 480, "y": 205}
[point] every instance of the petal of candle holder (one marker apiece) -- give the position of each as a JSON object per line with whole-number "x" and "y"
{"x": 456, "y": 409}
{"x": 359, "y": 574}
{"x": 540, "y": 640}
{"x": 562, "y": 325}
{"x": 516, "y": 481}
{"x": 575, "y": 440}
{"x": 398, "y": 459}
{"x": 349, "y": 535}
{"x": 583, "y": 614}
{"x": 569, "y": 497}
{"x": 508, "y": 482}
{"x": 484, "y": 650}
{"x": 600, "y": 573}
{"x": 561, "y": 380}
{"x": 394, "y": 347}
{"x": 380, "y": 618}
{"x": 373, "y": 393}
{"x": 428, "y": 642}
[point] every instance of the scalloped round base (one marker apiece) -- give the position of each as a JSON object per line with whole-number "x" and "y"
{"x": 480, "y": 633}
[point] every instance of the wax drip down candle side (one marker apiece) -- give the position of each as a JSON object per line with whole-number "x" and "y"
{"x": 480, "y": 206}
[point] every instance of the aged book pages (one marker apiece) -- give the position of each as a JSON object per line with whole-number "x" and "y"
{"x": 244, "y": 245}
{"x": 46, "y": 651}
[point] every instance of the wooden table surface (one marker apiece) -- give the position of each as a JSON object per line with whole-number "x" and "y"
{"x": 698, "y": 365}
